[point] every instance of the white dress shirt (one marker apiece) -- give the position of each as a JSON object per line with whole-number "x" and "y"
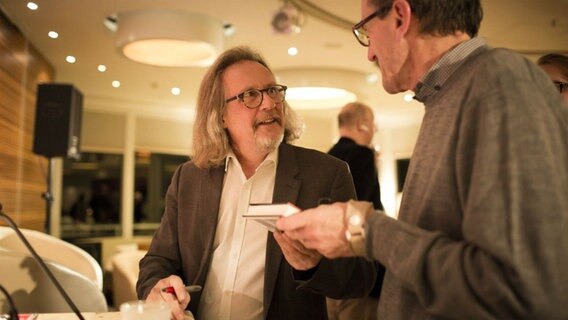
{"x": 235, "y": 282}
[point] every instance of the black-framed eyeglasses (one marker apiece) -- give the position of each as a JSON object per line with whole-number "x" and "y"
{"x": 562, "y": 86}
{"x": 252, "y": 98}
{"x": 359, "y": 29}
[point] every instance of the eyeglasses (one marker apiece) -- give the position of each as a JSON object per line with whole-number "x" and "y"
{"x": 359, "y": 29}
{"x": 562, "y": 86}
{"x": 252, "y": 98}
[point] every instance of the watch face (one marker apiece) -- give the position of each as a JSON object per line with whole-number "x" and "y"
{"x": 355, "y": 220}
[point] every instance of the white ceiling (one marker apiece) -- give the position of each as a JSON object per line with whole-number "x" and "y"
{"x": 532, "y": 27}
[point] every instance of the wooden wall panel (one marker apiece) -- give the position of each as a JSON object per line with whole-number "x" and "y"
{"x": 22, "y": 173}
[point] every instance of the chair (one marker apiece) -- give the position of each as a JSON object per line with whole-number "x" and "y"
{"x": 33, "y": 292}
{"x": 125, "y": 271}
{"x": 55, "y": 250}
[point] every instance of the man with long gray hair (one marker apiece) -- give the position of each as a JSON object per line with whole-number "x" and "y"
{"x": 241, "y": 156}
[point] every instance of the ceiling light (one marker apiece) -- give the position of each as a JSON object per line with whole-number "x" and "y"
{"x": 169, "y": 38}
{"x": 53, "y": 34}
{"x": 292, "y": 51}
{"x": 408, "y": 97}
{"x": 102, "y": 68}
{"x": 322, "y": 88}
{"x": 32, "y": 6}
{"x": 372, "y": 78}
{"x": 70, "y": 59}
{"x": 176, "y": 91}
{"x": 116, "y": 84}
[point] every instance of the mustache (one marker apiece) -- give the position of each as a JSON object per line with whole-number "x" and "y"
{"x": 275, "y": 117}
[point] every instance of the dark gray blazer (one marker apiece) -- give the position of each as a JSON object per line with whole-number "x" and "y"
{"x": 182, "y": 245}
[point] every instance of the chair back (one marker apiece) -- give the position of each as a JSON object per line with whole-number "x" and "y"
{"x": 54, "y": 249}
{"x": 125, "y": 271}
{"x": 33, "y": 292}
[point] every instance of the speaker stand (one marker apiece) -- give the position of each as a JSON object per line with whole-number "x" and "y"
{"x": 48, "y": 196}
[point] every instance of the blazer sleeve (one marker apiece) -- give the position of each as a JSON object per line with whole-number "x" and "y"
{"x": 163, "y": 258}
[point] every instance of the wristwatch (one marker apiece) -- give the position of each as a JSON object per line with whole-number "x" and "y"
{"x": 355, "y": 217}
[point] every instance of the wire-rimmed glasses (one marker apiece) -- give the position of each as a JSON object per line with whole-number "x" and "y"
{"x": 253, "y": 98}
{"x": 359, "y": 29}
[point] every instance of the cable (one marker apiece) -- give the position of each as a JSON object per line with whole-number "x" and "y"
{"x": 13, "y": 312}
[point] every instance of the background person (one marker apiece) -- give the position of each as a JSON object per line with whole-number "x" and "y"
{"x": 481, "y": 231}
{"x": 556, "y": 66}
{"x": 239, "y": 158}
{"x": 356, "y": 123}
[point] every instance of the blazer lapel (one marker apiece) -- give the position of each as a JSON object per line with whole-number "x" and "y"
{"x": 286, "y": 189}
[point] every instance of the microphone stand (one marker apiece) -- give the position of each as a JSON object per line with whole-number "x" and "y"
{"x": 48, "y": 197}
{"x": 39, "y": 260}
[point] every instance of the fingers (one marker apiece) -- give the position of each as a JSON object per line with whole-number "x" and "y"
{"x": 178, "y": 300}
{"x": 295, "y": 221}
{"x": 296, "y": 254}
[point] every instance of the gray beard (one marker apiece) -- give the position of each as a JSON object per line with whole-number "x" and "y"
{"x": 269, "y": 144}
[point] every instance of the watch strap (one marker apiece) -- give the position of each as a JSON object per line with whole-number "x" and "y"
{"x": 355, "y": 216}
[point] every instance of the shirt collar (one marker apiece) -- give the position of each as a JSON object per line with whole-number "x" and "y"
{"x": 435, "y": 78}
{"x": 271, "y": 157}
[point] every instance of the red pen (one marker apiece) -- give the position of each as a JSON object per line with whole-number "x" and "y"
{"x": 190, "y": 289}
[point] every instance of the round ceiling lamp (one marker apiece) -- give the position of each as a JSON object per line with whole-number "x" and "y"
{"x": 169, "y": 38}
{"x": 322, "y": 88}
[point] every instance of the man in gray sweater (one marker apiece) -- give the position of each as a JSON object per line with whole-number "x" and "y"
{"x": 482, "y": 228}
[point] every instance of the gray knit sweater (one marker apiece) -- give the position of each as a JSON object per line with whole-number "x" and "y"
{"x": 483, "y": 225}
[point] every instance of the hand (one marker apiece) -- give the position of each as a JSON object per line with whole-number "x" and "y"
{"x": 298, "y": 256}
{"x": 177, "y": 302}
{"x": 322, "y": 228}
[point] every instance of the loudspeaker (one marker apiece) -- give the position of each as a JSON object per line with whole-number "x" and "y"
{"x": 59, "y": 110}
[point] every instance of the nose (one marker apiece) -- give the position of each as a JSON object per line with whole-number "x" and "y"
{"x": 371, "y": 55}
{"x": 268, "y": 102}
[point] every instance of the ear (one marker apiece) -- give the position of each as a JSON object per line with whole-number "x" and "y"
{"x": 403, "y": 16}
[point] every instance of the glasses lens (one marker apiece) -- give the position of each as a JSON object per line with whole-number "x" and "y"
{"x": 362, "y": 36}
{"x": 276, "y": 93}
{"x": 252, "y": 98}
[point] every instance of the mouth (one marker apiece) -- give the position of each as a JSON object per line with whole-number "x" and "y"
{"x": 268, "y": 121}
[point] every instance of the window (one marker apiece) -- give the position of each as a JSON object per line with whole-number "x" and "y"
{"x": 152, "y": 178}
{"x": 92, "y": 188}
{"x": 91, "y": 196}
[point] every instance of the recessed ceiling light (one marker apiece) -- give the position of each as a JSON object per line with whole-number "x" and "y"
{"x": 176, "y": 91}
{"x": 318, "y": 97}
{"x": 32, "y": 6}
{"x": 70, "y": 59}
{"x": 408, "y": 97}
{"x": 53, "y": 34}
{"x": 292, "y": 51}
{"x": 102, "y": 68}
{"x": 116, "y": 83}
{"x": 321, "y": 88}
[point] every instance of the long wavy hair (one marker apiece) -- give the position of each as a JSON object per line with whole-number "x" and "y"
{"x": 211, "y": 141}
